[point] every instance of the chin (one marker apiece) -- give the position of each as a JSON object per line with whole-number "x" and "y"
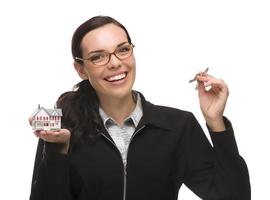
{"x": 120, "y": 93}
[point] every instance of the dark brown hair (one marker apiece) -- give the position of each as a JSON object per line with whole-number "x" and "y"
{"x": 88, "y": 26}
{"x": 80, "y": 106}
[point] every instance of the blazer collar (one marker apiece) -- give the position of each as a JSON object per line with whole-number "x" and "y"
{"x": 152, "y": 115}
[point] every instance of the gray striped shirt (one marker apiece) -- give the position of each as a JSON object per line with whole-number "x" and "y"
{"x": 121, "y": 135}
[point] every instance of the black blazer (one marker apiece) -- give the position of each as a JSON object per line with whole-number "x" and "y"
{"x": 167, "y": 149}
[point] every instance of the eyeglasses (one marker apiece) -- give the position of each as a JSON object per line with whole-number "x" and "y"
{"x": 100, "y": 58}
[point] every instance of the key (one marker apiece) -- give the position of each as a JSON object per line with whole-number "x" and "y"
{"x": 203, "y": 73}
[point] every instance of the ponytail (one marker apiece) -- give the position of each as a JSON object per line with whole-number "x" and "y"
{"x": 80, "y": 112}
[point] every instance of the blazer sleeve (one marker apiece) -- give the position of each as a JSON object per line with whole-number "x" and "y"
{"x": 51, "y": 176}
{"x": 218, "y": 172}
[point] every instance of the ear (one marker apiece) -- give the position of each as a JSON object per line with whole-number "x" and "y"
{"x": 80, "y": 70}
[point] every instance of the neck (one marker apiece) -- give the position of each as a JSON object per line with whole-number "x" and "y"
{"x": 118, "y": 108}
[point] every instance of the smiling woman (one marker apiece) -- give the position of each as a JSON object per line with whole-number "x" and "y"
{"x": 114, "y": 144}
{"x": 111, "y": 74}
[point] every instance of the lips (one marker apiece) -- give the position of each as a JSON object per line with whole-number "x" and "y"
{"x": 117, "y": 77}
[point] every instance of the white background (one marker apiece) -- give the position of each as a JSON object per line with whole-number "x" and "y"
{"x": 174, "y": 40}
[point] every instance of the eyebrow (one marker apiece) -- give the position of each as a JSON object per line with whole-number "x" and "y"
{"x": 102, "y": 50}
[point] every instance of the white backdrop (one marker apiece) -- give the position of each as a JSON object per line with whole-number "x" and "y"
{"x": 174, "y": 40}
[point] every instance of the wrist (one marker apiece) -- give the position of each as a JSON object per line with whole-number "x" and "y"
{"x": 216, "y": 125}
{"x": 61, "y": 148}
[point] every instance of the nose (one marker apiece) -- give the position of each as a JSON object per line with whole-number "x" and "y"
{"x": 114, "y": 62}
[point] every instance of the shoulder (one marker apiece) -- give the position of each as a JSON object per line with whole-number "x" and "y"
{"x": 165, "y": 116}
{"x": 163, "y": 110}
{"x": 171, "y": 112}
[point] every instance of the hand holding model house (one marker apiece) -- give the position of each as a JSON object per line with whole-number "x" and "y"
{"x": 46, "y": 124}
{"x": 46, "y": 119}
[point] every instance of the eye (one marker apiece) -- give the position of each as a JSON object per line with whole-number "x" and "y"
{"x": 97, "y": 57}
{"x": 124, "y": 49}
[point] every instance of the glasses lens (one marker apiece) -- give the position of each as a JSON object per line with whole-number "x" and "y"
{"x": 124, "y": 51}
{"x": 100, "y": 58}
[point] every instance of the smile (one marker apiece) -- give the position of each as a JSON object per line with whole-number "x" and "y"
{"x": 117, "y": 77}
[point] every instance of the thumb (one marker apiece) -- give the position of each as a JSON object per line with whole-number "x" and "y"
{"x": 201, "y": 88}
{"x": 30, "y": 120}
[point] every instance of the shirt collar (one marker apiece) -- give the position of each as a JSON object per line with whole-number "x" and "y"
{"x": 135, "y": 116}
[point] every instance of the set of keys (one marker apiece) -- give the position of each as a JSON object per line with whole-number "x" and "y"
{"x": 195, "y": 78}
{"x": 203, "y": 73}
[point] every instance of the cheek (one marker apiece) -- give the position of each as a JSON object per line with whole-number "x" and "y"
{"x": 133, "y": 60}
{"x": 94, "y": 75}
{"x": 134, "y": 67}
{"x": 131, "y": 63}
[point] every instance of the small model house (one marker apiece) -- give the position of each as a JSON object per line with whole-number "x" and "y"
{"x": 46, "y": 119}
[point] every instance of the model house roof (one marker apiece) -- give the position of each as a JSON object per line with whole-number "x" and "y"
{"x": 50, "y": 112}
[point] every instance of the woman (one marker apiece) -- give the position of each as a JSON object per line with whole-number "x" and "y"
{"x": 116, "y": 145}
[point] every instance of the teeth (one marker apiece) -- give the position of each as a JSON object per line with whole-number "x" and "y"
{"x": 117, "y": 77}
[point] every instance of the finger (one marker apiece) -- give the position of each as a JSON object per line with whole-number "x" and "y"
{"x": 211, "y": 84}
{"x": 47, "y": 136}
{"x": 58, "y": 136}
{"x": 199, "y": 74}
{"x": 204, "y": 77}
{"x": 203, "y": 82}
{"x": 42, "y": 132}
{"x": 201, "y": 88}
{"x": 36, "y": 133}
{"x": 216, "y": 83}
{"x": 219, "y": 88}
{"x": 55, "y": 133}
{"x": 55, "y": 138}
{"x": 30, "y": 119}
{"x": 39, "y": 133}
{"x": 211, "y": 80}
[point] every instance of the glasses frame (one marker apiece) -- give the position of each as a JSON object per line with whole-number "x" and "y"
{"x": 110, "y": 54}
